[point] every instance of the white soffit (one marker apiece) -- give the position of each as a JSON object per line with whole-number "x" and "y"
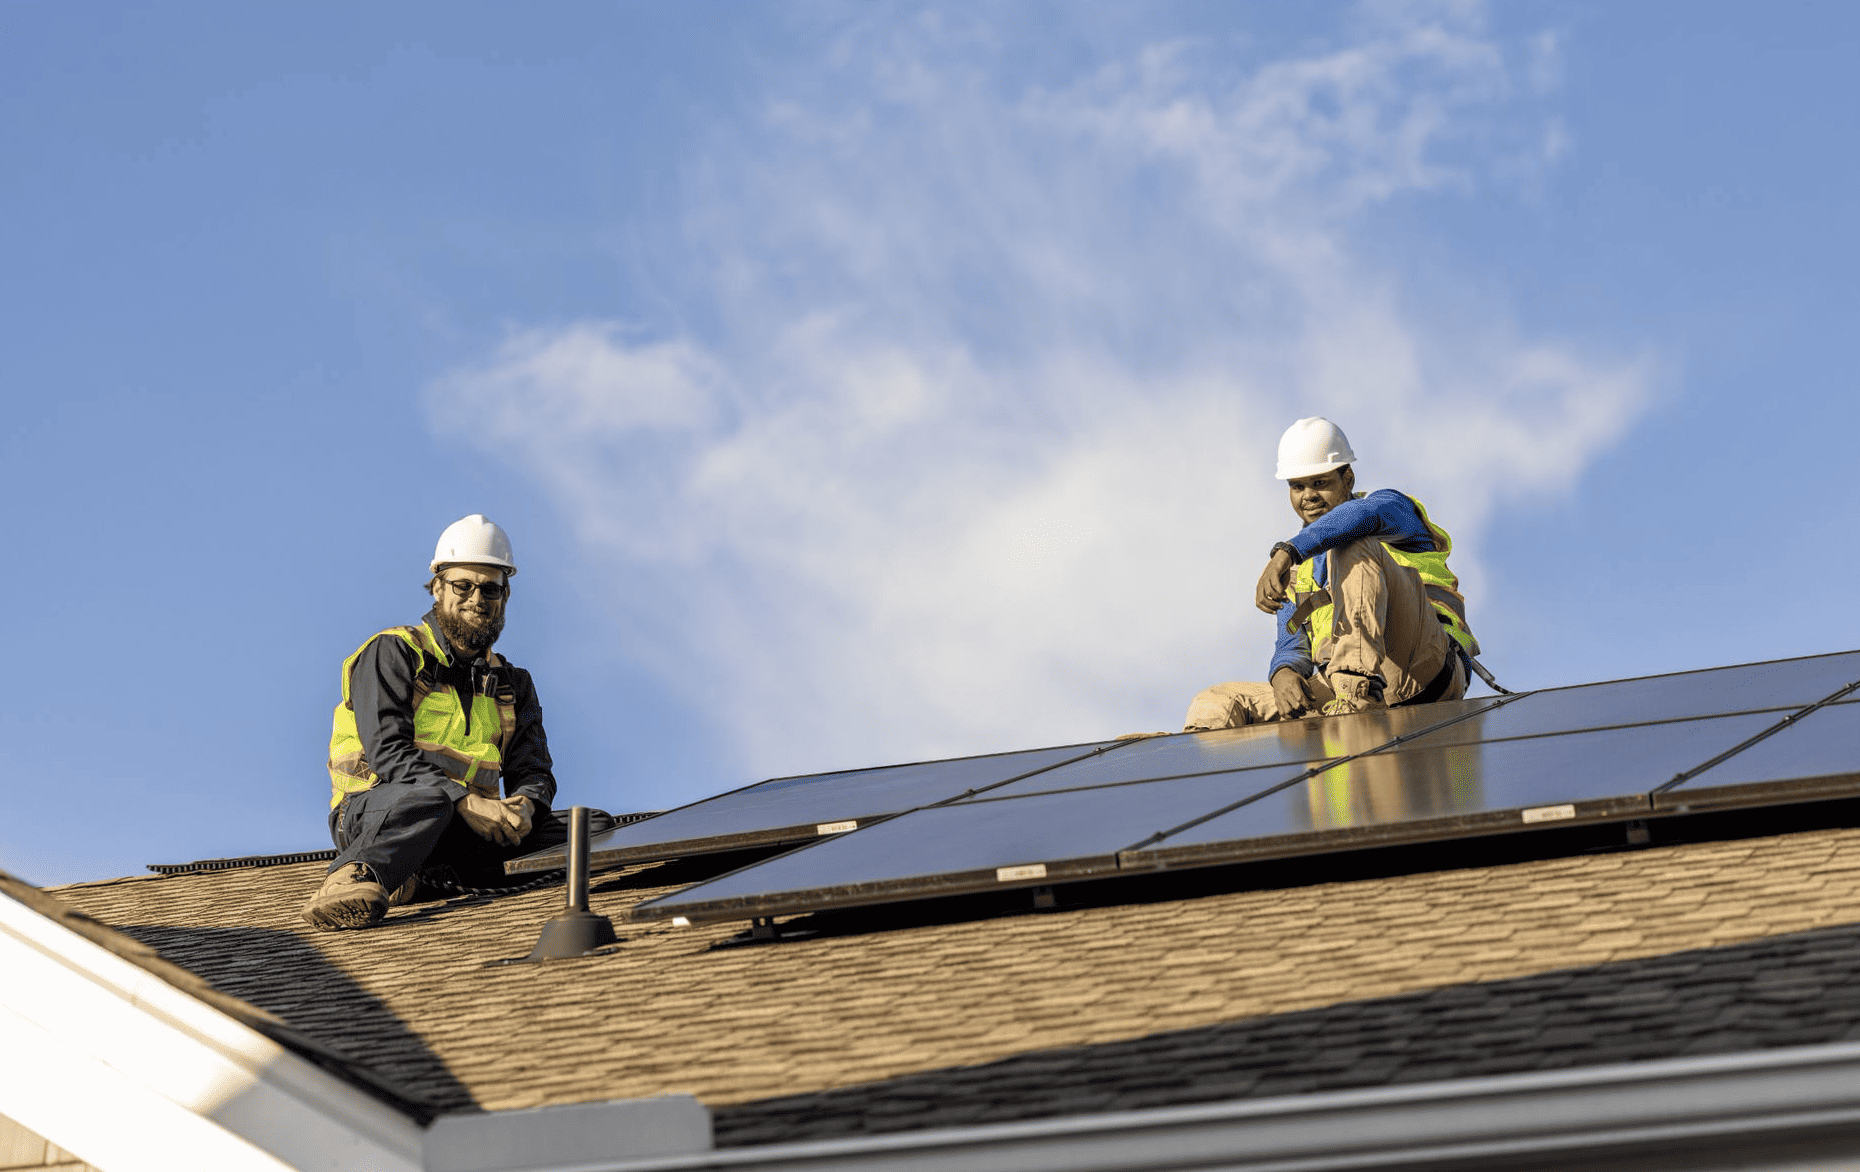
{"x": 112, "y": 1063}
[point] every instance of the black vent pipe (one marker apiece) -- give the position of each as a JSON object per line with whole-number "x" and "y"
{"x": 575, "y": 931}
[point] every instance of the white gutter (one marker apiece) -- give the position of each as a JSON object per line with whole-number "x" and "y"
{"x": 1743, "y": 1109}
{"x": 114, "y": 1064}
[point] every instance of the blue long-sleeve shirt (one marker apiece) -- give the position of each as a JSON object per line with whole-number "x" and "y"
{"x": 1386, "y": 515}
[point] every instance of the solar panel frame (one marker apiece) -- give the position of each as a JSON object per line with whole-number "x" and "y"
{"x": 896, "y": 843}
{"x": 1827, "y": 771}
{"x": 647, "y": 841}
{"x": 1661, "y": 699}
{"x": 893, "y": 867}
{"x": 1680, "y": 704}
{"x": 1177, "y": 849}
{"x": 1261, "y": 746}
{"x": 914, "y": 828}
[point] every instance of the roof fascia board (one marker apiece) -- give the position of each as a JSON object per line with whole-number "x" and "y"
{"x": 567, "y": 1135}
{"x": 107, "y": 1039}
{"x": 1772, "y": 1097}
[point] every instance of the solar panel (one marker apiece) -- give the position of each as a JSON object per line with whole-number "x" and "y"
{"x": 799, "y": 809}
{"x": 1773, "y": 686}
{"x": 927, "y": 847}
{"x": 1457, "y": 791}
{"x": 1786, "y": 730}
{"x": 1817, "y": 757}
{"x": 1288, "y": 743}
{"x": 998, "y": 841}
{"x": 964, "y": 846}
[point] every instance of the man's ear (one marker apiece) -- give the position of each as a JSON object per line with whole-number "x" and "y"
{"x": 1348, "y": 475}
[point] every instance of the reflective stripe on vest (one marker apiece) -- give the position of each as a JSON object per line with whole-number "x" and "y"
{"x": 1313, "y": 603}
{"x": 459, "y": 749}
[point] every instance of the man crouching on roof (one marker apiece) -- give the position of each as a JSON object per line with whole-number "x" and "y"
{"x": 431, "y": 722}
{"x": 1369, "y": 616}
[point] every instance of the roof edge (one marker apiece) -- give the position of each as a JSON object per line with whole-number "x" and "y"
{"x": 1756, "y": 1100}
{"x": 568, "y": 1135}
{"x": 88, "y": 1032}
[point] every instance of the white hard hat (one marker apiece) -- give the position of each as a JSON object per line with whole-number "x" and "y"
{"x": 473, "y": 541}
{"x": 1311, "y": 446}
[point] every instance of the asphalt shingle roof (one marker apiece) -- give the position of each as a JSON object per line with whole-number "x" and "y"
{"x": 916, "y": 1020}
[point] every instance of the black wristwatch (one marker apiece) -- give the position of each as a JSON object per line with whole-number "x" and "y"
{"x": 1289, "y": 548}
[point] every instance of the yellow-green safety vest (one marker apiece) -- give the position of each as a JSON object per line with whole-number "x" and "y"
{"x": 1313, "y": 605}
{"x": 470, "y": 754}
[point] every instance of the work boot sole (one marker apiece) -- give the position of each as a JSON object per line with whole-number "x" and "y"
{"x": 344, "y": 912}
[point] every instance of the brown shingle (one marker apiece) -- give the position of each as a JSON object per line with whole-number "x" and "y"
{"x": 1522, "y": 966}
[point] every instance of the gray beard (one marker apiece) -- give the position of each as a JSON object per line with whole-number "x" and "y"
{"x": 472, "y": 636}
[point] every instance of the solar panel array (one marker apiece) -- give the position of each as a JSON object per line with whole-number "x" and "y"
{"x": 1755, "y": 734}
{"x": 802, "y": 809}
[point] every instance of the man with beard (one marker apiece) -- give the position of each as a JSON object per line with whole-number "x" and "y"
{"x": 432, "y": 722}
{"x": 1369, "y": 616}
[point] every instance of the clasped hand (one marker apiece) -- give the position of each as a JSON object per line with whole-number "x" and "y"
{"x": 505, "y": 820}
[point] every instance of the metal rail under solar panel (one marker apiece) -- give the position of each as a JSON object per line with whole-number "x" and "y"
{"x": 1589, "y": 753}
{"x": 804, "y": 809}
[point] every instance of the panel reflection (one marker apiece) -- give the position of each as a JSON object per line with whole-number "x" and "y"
{"x": 1516, "y": 782}
{"x": 1389, "y": 787}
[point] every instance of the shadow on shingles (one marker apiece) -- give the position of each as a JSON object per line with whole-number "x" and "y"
{"x": 281, "y": 973}
{"x": 1794, "y": 990}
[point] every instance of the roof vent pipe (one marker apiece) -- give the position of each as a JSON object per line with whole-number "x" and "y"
{"x": 575, "y": 931}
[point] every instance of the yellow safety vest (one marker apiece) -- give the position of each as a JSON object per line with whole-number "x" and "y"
{"x": 1313, "y": 604}
{"x": 470, "y": 754}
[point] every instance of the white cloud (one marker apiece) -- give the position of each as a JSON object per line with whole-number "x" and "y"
{"x": 978, "y": 453}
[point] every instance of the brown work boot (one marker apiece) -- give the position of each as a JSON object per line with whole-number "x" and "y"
{"x": 349, "y": 898}
{"x": 1356, "y": 692}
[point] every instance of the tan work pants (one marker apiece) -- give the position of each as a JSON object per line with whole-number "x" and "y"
{"x": 1381, "y": 625}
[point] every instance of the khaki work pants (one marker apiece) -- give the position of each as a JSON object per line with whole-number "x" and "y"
{"x": 1381, "y": 625}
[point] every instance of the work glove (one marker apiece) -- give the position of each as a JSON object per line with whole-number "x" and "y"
{"x": 524, "y": 811}
{"x": 1290, "y": 691}
{"x": 501, "y": 821}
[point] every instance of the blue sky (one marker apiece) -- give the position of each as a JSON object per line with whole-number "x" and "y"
{"x": 862, "y": 383}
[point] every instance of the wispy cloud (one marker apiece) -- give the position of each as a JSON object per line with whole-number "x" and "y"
{"x": 976, "y": 450}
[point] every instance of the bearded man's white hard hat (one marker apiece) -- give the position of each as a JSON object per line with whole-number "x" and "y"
{"x": 1311, "y": 446}
{"x": 473, "y": 540}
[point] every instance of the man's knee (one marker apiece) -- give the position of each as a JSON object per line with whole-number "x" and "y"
{"x": 1230, "y": 705}
{"x": 1211, "y": 709}
{"x": 427, "y": 802}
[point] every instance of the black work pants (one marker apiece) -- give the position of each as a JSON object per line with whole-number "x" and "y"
{"x": 398, "y": 830}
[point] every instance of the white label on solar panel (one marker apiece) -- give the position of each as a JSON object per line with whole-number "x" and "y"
{"x": 836, "y": 827}
{"x": 1549, "y": 813}
{"x": 1030, "y": 871}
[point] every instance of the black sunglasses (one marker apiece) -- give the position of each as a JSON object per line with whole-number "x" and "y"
{"x": 461, "y": 589}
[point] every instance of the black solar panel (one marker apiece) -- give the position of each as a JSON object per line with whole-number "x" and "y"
{"x": 1290, "y": 743}
{"x": 997, "y": 841}
{"x": 1817, "y": 757}
{"x": 800, "y": 809}
{"x": 1457, "y": 791}
{"x": 1746, "y": 735}
{"x": 967, "y": 846}
{"x": 1776, "y": 686}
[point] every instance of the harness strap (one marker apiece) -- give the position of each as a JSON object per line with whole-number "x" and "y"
{"x": 1306, "y": 604}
